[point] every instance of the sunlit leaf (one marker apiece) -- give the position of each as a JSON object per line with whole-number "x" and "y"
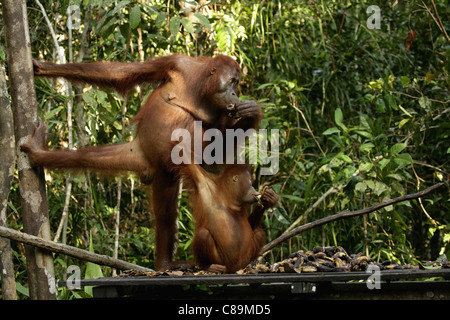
{"x": 187, "y": 24}
{"x": 135, "y": 16}
{"x": 204, "y": 21}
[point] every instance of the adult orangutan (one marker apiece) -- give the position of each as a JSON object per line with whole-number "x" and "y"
{"x": 189, "y": 89}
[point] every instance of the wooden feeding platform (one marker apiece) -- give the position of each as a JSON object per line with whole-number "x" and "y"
{"x": 323, "y": 273}
{"x": 394, "y": 284}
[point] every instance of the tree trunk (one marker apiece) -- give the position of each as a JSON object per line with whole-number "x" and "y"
{"x": 41, "y": 279}
{"x": 7, "y": 157}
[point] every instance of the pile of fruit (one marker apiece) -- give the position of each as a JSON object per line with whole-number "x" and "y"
{"x": 322, "y": 259}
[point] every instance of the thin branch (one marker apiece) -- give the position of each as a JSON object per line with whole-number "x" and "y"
{"x": 414, "y": 97}
{"x": 69, "y": 250}
{"x": 333, "y": 189}
{"x": 440, "y": 24}
{"x": 347, "y": 214}
{"x": 52, "y": 32}
{"x": 307, "y": 125}
{"x": 424, "y": 164}
{"x": 290, "y": 173}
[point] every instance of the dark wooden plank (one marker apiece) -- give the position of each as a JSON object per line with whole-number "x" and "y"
{"x": 260, "y": 278}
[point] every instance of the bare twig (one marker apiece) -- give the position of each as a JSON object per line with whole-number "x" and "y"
{"x": 290, "y": 173}
{"x": 440, "y": 24}
{"x": 333, "y": 189}
{"x": 347, "y": 214}
{"x": 414, "y": 97}
{"x": 52, "y": 32}
{"x": 68, "y": 250}
{"x": 307, "y": 125}
{"x": 424, "y": 164}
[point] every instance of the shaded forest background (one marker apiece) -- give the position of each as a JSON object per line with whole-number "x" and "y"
{"x": 363, "y": 113}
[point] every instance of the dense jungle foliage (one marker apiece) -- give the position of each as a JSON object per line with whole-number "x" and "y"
{"x": 360, "y": 96}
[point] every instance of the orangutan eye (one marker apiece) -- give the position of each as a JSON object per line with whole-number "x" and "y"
{"x": 234, "y": 81}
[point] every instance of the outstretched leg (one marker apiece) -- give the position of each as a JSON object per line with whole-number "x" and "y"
{"x": 120, "y": 157}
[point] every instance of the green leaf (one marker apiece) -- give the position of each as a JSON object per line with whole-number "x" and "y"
{"x": 395, "y": 176}
{"x": 380, "y": 187}
{"x": 398, "y": 187}
{"x": 338, "y": 116}
{"x": 23, "y": 290}
{"x": 344, "y": 157}
{"x": 381, "y": 106}
{"x": 397, "y": 148}
{"x": 262, "y": 86}
{"x": 105, "y": 34}
{"x": 365, "y": 134}
{"x": 377, "y": 85}
{"x": 431, "y": 268}
{"x": 402, "y": 123}
{"x": 365, "y": 121}
{"x": 187, "y": 24}
{"x": 125, "y": 30}
{"x": 404, "y": 111}
{"x": 331, "y": 131}
{"x": 424, "y": 102}
{"x": 361, "y": 187}
{"x": 446, "y": 237}
{"x": 53, "y": 112}
{"x": 291, "y": 197}
{"x": 135, "y": 16}
{"x": 192, "y": 3}
{"x": 370, "y": 184}
{"x": 366, "y": 147}
{"x": 110, "y": 15}
{"x": 390, "y": 80}
{"x": 368, "y": 97}
{"x": 280, "y": 214}
{"x": 391, "y": 101}
{"x": 174, "y": 25}
{"x": 160, "y": 19}
{"x": 403, "y": 159}
{"x": 204, "y": 21}
{"x": 365, "y": 166}
{"x": 383, "y": 163}
{"x": 92, "y": 270}
{"x": 405, "y": 80}
{"x": 89, "y": 98}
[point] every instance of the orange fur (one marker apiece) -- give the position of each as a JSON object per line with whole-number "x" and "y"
{"x": 189, "y": 89}
{"x": 225, "y": 234}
